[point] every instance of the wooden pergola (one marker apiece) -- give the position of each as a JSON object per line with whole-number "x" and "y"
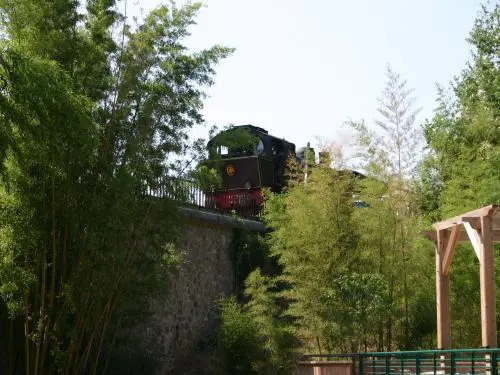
{"x": 481, "y": 228}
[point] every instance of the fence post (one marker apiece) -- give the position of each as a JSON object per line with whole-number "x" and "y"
{"x": 453, "y": 364}
{"x": 494, "y": 369}
{"x": 417, "y": 363}
{"x": 361, "y": 365}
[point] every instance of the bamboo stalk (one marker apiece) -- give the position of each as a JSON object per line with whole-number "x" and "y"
{"x": 10, "y": 348}
{"x": 79, "y": 327}
{"x": 54, "y": 247}
{"x": 41, "y": 317}
{"x": 104, "y": 317}
{"x": 26, "y": 332}
{"x": 391, "y": 290}
{"x": 64, "y": 258}
{"x": 103, "y": 334}
{"x": 78, "y": 363}
{"x": 106, "y": 362}
{"x": 48, "y": 319}
{"x": 79, "y": 341}
{"x": 111, "y": 304}
{"x": 84, "y": 358}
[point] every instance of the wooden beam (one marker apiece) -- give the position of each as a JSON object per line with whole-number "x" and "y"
{"x": 480, "y": 212}
{"x": 442, "y": 294}
{"x": 463, "y": 237}
{"x": 450, "y": 249}
{"x": 487, "y": 284}
{"x": 475, "y": 222}
{"x": 474, "y": 238}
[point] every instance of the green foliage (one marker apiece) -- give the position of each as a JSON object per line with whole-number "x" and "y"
{"x": 463, "y": 135}
{"x": 461, "y": 171}
{"x": 351, "y": 277}
{"x": 479, "y": 84}
{"x": 294, "y": 172}
{"x": 315, "y": 241}
{"x": 206, "y": 178}
{"x": 390, "y": 150}
{"x": 254, "y": 338}
{"x": 357, "y": 302}
{"x": 239, "y": 340}
{"x": 393, "y": 250}
{"x": 235, "y": 139}
{"x": 363, "y": 279}
{"x": 15, "y": 279}
{"x": 470, "y": 157}
{"x": 390, "y": 241}
{"x": 88, "y": 118}
{"x": 350, "y": 273}
{"x": 276, "y": 334}
{"x": 309, "y": 156}
{"x": 249, "y": 251}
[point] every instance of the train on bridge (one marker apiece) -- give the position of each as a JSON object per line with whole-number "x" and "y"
{"x": 248, "y": 166}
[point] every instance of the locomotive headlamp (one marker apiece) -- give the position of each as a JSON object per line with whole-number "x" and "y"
{"x": 248, "y": 185}
{"x": 230, "y": 170}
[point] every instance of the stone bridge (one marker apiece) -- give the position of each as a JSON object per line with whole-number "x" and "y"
{"x": 186, "y": 321}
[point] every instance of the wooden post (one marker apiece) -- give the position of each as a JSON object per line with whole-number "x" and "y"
{"x": 442, "y": 294}
{"x": 479, "y": 225}
{"x": 487, "y": 284}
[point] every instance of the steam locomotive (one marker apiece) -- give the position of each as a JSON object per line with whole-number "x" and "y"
{"x": 247, "y": 169}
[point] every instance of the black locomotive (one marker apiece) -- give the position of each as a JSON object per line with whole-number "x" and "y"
{"x": 247, "y": 167}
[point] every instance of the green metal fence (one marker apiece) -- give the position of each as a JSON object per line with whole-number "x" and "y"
{"x": 425, "y": 362}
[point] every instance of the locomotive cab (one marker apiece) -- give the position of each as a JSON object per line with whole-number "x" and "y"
{"x": 248, "y": 159}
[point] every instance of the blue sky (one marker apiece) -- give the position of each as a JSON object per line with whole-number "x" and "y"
{"x": 302, "y": 68}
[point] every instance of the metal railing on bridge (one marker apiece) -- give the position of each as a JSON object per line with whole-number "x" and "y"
{"x": 189, "y": 193}
{"x": 424, "y": 362}
{"x": 178, "y": 189}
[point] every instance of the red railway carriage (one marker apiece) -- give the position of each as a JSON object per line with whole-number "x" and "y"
{"x": 248, "y": 159}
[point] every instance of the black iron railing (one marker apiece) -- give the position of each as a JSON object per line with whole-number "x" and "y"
{"x": 178, "y": 189}
{"x": 188, "y": 193}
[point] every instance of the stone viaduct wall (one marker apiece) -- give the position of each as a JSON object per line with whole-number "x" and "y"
{"x": 184, "y": 325}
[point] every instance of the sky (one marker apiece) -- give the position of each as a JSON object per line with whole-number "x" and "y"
{"x": 303, "y": 68}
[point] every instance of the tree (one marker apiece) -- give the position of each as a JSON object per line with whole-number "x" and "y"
{"x": 88, "y": 120}
{"x": 254, "y": 337}
{"x": 314, "y": 240}
{"x": 461, "y": 171}
{"x": 276, "y": 333}
{"x": 393, "y": 250}
{"x": 388, "y": 155}
{"x": 462, "y": 136}
{"x": 390, "y": 152}
{"x": 239, "y": 342}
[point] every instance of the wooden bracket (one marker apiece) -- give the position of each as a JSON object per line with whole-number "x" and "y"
{"x": 474, "y": 237}
{"x": 450, "y": 249}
